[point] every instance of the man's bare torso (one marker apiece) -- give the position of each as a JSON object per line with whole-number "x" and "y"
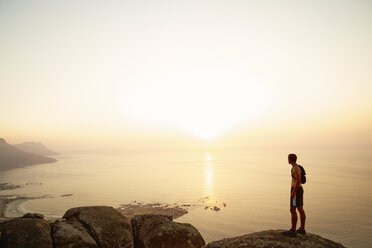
{"x": 296, "y": 175}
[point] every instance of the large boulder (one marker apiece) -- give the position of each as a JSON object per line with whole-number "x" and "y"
{"x": 106, "y": 225}
{"x": 26, "y": 232}
{"x": 159, "y": 231}
{"x": 71, "y": 234}
{"x": 274, "y": 239}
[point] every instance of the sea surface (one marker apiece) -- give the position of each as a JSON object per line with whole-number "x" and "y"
{"x": 250, "y": 186}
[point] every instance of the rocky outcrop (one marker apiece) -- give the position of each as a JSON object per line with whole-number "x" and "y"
{"x": 7, "y": 186}
{"x": 157, "y": 231}
{"x": 92, "y": 227}
{"x": 274, "y": 239}
{"x": 26, "y": 232}
{"x": 105, "y": 224}
{"x": 137, "y": 208}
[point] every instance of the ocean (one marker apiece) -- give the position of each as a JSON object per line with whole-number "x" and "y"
{"x": 250, "y": 186}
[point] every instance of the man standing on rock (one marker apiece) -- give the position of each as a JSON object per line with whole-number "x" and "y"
{"x": 296, "y": 198}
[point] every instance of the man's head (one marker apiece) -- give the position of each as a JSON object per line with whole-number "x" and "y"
{"x": 292, "y": 158}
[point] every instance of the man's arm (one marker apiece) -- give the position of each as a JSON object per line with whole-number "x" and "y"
{"x": 297, "y": 176}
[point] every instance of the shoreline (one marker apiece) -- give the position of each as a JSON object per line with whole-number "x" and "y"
{"x": 11, "y": 207}
{"x": 14, "y": 208}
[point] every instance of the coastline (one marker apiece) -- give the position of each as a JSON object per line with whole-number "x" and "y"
{"x": 11, "y": 207}
{"x": 14, "y": 208}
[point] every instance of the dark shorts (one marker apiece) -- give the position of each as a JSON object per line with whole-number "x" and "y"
{"x": 298, "y": 200}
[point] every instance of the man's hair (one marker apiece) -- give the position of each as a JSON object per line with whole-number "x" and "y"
{"x": 292, "y": 157}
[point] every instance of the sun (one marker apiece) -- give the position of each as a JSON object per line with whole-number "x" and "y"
{"x": 203, "y": 101}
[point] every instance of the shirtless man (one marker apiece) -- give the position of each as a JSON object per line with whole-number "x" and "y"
{"x": 296, "y": 199}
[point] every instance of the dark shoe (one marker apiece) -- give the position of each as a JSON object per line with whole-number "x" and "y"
{"x": 301, "y": 231}
{"x": 290, "y": 233}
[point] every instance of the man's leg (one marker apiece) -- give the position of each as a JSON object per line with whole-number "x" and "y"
{"x": 293, "y": 218}
{"x": 302, "y": 217}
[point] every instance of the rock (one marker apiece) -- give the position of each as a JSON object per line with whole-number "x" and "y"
{"x": 34, "y": 215}
{"x": 6, "y": 186}
{"x": 26, "y": 232}
{"x": 130, "y": 210}
{"x": 38, "y": 215}
{"x": 65, "y": 195}
{"x": 72, "y": 235}
{"x": 28, "y": 215}
{"x": 215, "y": 208}
{"x": 157, "y": 231}
{"x": 106, "y": 225}
{"x": 274, "y": 239}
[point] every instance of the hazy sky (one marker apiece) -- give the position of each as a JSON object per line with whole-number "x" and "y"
{"x": 76, "y": 73}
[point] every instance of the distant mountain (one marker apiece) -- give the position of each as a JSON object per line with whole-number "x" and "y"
{"x": 11, "y": 157}
{"x": 35, "y": 148}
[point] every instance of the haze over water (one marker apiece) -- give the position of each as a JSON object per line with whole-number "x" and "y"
{"x": 253, "y": 183}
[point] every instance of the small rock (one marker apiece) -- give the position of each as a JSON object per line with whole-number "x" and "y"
{"x": 28, "y": 215}
{"x": 33, "y": 215}
{"x": 215, "y": 208}
{"x": 65, "y": 195}
{"x": 38, "y": 215}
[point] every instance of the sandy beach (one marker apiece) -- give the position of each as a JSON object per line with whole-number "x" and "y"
{"x": 14, "y": 209}
{"x": 11, "y": 207}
